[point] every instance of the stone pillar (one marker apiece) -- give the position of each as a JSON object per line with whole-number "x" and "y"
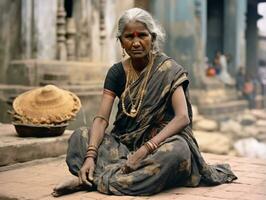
{"x": 61, "y": 31}
{"x": 44, "y": 28}
{"x": 234, "y": 33}
{"x": 185, "y": 25}
{"x": 26, "y": 28}
{"x": 82, "y": 13}
{"x": 252, "y": 39}
{"x": 71, "y": 42}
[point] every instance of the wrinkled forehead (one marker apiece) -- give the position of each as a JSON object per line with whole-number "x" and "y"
{"x": 135, "y": 26}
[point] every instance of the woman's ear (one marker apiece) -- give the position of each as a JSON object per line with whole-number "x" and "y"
{"x": 120, "y": 40}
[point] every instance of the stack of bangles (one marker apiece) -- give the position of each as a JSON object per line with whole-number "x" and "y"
{"x": 151, "y": 146}
{"x": 91, "y": 152}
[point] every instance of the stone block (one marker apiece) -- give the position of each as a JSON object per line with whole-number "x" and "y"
{"x": 206, "y": 125}
{"x": 7, "y": 94}
{"x": 22, "y": 72}
{"x": 40, "y": 72}
{"x": 213, "y": 142}
{"x": 14, "y": 149}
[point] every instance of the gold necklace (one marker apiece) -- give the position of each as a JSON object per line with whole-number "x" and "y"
{"x": 131, "y": 78}
{"x": 139, "y": 97}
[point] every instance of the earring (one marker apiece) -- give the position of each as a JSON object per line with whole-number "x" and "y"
{"x": 123, "y": 52}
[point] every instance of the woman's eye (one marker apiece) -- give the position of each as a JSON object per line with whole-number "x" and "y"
{"x": 132, "y": 36}
{"x": 142, "y": 35}
{"x": 129, "y": 36}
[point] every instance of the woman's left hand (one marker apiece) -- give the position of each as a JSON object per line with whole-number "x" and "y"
{"x": 133, "y": 160}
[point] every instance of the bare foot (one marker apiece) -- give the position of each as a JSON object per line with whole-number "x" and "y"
{"x": 66, "y": 186}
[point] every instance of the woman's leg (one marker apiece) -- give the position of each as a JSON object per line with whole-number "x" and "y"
{"x": 77, "y": 148}
{"x": 110, "y": 153}
{"x": 169, "y": 165}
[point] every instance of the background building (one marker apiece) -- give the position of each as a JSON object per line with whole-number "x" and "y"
{"x": 72, "y": 43}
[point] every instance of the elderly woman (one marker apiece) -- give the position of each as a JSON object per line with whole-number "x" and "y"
{"x": 151, "y": 146}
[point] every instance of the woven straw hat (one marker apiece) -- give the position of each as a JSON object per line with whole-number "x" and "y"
{"x": 46, "y": 105}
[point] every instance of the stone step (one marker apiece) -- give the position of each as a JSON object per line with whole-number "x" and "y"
{"x": 213, "y": 96}
{"x": 223, "y": 110}
{"x": 39, "y": 72}
{"x": 14, "y": 149}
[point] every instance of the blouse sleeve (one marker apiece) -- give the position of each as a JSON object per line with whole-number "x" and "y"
{"x": 115, "y": 79}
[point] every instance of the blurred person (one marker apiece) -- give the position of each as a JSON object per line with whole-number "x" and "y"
{"x": 240, "y": 80}
{"x": 209, "y": 69}
{"x": 249, "y": 92}
{"x": 217, "y": 63}
{"x": 151, "y": 146}
{"x": 224, "y": 76}
{"x": 262, "y": 78}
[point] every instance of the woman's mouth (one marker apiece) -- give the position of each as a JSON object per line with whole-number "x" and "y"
{"x": 137, "y": 51}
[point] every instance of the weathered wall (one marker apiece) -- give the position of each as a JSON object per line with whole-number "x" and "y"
{"x": 10, "y": 18}
{"x": 185, "y": 24}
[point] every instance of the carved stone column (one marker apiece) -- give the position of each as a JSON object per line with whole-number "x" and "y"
{"x": 71, "y": 43}
{"x": 61, "y": 31}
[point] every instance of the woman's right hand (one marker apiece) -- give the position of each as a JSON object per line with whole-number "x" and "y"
{"x": 86, "y": 172}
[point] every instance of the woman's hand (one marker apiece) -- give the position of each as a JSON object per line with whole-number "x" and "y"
{"x": 86, "y": 172}
{"x": 133, "y": 160}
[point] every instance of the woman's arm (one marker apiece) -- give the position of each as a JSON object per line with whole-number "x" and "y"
{"x": 180, "y": 120}
{"x": 99, "y": 125}
{"x": 97, "y": 132}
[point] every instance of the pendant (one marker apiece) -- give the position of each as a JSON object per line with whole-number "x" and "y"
{"x": 133, "y": 111}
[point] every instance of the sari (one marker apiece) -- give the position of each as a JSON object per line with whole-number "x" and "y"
{"x": 176, "y": 162}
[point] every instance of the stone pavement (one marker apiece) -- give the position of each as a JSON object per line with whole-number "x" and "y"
{"x": 36, "y": 180}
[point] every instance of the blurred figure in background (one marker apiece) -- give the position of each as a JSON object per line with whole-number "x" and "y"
{"x": 217, "y": 63}
{"x": 240, "y": 80}
{"x": 224, "y": 76}
{"x": 249, "y": 92}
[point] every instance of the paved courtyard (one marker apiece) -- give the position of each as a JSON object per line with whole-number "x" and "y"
{"x": 35, "y": 182}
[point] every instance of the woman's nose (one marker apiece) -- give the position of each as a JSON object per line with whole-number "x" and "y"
{"x": 136, "y": 43}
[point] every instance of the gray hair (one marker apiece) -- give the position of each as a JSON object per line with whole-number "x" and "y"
{"x": 140, "y": 15}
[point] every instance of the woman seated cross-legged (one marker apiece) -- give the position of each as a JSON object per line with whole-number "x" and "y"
{"x": 151, "y": 146}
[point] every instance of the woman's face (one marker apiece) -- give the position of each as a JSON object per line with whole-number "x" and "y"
{"x": 136, "y": 40}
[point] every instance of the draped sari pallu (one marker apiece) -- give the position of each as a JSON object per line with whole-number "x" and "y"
{"x": 177, "y": 161}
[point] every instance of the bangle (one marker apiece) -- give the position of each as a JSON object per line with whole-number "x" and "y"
{"x": 154, "y": 144}
{"x": 151, "y": 146}
{"x": 92, "y": 152}
{"x": 92, "y": 148}
{"x": 103, "y": 118}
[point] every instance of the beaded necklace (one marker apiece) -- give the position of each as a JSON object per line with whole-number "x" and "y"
{"x": 131, "y": 77}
